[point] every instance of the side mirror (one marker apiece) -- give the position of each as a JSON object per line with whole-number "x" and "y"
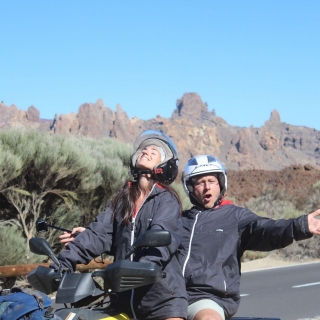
{"x": 41, "y": 247}
{"x": 154, "y": 238}
{"x": 151, "y": 238}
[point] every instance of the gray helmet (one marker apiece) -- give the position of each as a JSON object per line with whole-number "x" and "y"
{"x": 199, "y": 165}
{"x": 166, "y": 171}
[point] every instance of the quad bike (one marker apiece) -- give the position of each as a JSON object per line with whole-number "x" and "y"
{"x": 82, "y": 296}
{"x": 86, "y": 298}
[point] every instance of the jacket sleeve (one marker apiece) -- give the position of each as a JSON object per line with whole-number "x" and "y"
{"x": 93, "y": 241}
{"x": 166, "y": 217}
{"x": 264, "y": 234}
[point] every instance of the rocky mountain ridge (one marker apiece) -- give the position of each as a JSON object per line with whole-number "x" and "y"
{"x": 195, "y": 130}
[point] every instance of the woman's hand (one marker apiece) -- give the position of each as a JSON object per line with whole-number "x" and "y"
{"x": 66, "y": 237}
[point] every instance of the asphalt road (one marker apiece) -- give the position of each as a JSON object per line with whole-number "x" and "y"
{"x": 288, "y": 293}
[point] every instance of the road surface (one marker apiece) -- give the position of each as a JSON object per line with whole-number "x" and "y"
{"x": 288, "y": 293}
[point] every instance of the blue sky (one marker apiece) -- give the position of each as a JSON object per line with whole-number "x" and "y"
{"x": 244, "y": 58}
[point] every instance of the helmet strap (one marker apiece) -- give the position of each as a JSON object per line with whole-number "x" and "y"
{"x": 218, "y": 201}
{"x": 194, "y": 200}
{"x": 137, "y": 173}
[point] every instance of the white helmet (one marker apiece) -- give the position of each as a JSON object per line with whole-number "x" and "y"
{"x": 203, "y": 164}
{"x": 166, "y": 171}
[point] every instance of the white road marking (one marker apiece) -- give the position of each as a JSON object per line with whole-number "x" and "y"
{"x": 307, "y": 285}
{"x": 244, "y": 295}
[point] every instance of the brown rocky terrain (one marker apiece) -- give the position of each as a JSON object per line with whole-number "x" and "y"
{"x": 295, "y": 181}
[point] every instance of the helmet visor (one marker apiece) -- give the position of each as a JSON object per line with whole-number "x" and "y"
{"x": 154, "y": 135}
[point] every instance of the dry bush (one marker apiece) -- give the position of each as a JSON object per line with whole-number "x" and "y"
{"x": 310, "y": 248}
{"x": 273, "y": 204}
{"x": 253, "y": 255}
{"x": 301, "y": 250}
{"x": 312, "y": 202}
{"x": 233, "y": 200}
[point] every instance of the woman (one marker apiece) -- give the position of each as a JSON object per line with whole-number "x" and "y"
{"x": 146, "y": 203}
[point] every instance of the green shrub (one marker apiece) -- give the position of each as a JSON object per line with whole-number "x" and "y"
{"x": 13, "y": 248}
{"x": 317, "y": 185}
{"x": 45, "y": 176}
{"x": 273, "y": 204}
{"x": 185, "y": 201}
{"x": 62, "y": 217}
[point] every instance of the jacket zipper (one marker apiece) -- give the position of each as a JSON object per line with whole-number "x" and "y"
{"x": 131, "y": 243}
{"x": 189, "y": 249}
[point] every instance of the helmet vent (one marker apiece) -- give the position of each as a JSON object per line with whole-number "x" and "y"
{"x": 211, "y": 159}
{"x": 193, "y": 162}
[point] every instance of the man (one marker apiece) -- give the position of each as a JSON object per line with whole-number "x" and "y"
{"x": 215, "y": 235}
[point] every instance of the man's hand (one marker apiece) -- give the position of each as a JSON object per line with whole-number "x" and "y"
{"x": 314, "y": 223}
{"x": 66, "y": 237}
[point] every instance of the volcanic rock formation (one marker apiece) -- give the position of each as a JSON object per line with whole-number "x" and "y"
{"x": 194, "y": 129}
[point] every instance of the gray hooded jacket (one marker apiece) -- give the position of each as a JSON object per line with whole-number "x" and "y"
{"x": 213, "y": 242}
{"x": 166, "y": 298}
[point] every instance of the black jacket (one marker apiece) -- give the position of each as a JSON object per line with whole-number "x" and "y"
{"x": 214, "y": 241}
{"x": 166, "y": 298}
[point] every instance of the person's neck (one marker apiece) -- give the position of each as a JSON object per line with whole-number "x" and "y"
{"x": 145, "y": 183}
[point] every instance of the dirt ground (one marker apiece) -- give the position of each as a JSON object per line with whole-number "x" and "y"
{"x": 295, "y": 181}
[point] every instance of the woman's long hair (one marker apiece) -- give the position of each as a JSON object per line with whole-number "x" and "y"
{"x": 123, "y": 203}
